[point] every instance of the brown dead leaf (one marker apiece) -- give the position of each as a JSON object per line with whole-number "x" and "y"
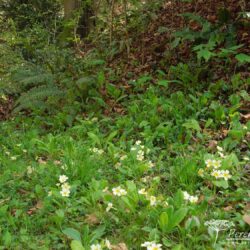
{"x": 228, "y": 208}
{"x": 212, "y": 144}
{"x": 120, "y": 246}
{"x": 246, "y": 218}
{"x": 92, "y": 219}
{"x": 38, "y": 206}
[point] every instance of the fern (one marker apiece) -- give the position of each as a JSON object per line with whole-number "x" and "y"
{"x": 36, "y": 97}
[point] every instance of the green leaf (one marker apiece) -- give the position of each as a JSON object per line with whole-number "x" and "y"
{"x": 76, "y": 245}
{"x": 192, "y": 124}
{"x": 222, "y": 183}
{"x": 72, "y": 234}
{"x": 179, "y": 215}
{"x": 205, "y": 53}
{"x": 163, "y": 221}
{"x": 243, "y": 58}
{"x": 94, "y": 137}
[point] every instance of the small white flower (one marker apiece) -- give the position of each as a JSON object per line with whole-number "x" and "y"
{"x": 95, "y": 247}
{"x": 138, "y": 142}
{"x": 245, "y": 158}
{"x": 118, "y": 191}
{"x": 25, "y": 151}
{"x": 186, "y": 195}
{"x": 155, "y": 246}
{"x": 7, "y": 153}
{"x": 143, "y": 191}
{"x": 49, "y": 193}
{"x": 219, "y": 148}
{"x": 65, "y": 185}
{"x": 108, "y": 244}
{"x": 117, "y": 165}
{"x": 201, "y": 172}
{"x": 63, "y": 178}
{"x": 226, "y": 175}
{"x": 151, "y": 164}
{"x": 13, "y": 158}
{"x": 123, "y": 157}
{"x": 209, "y": 163}
{"x": 216, "y": 163}
{"x": 105, "y": 190}
{"x": 193, "y": 199}
{"x": 147, "y": 243}
{"x": 221, "y": 155}
{"x": 110, "y": 206}
{"x": 30, "y": 170}
{"x": 216, "y": 174}
{"x": 133, "y": 149}
{"x": 65, "y": 192}
{"x": 153, "y": 200}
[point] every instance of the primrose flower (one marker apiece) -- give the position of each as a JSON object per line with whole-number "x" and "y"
{"x": 95, "y": 247}
{"x": 108, "y": 244}
{"x": 186, "y": 195}
{"x": 155, "y": 246}
{"x": 147, "y": 243}
{"x": 30, "y": 170}
{"x": 110, "y": 206}
{"x": 138, "y": 142}
{"x": 201, "y": 172}
{"x": 143, "y": 191}
{"x": 193, "y": 199}
{"x": 151, "y": 245}
{"x": 151, "y": 164}
{"x": 65, "y": 185}
{"x": 226, "y": 175}
{"x": 123, "y": 157}
{"x": 117, "y": 165}
{"x": 216, "y": 174}
{"x": 63, "y": 178}
{"x": 219, "y": 148}
{"x": 216, "y": 163}
{"x": 152, "y": 200}
{"x": 209, "y": 163}
{"x": 65, "y": 192}
{"x": 118, "y": 191}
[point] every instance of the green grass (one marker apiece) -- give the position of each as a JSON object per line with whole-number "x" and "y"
{"x": 175, "y": 131}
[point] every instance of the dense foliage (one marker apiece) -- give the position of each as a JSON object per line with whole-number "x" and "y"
{"x": 131, "y": 134}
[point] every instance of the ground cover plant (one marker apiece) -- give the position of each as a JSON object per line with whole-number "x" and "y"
{"x": 133, "y": 134}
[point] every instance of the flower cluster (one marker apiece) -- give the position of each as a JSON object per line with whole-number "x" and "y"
{"x": 221, "y": 174}
{"x": 106, "y": 244}
{"x": 118, "y": 191}
{"x": 152, "y": 245}
{"x": 213, "y": 166}
{"x": 97, "y": 151}
{"x": 190, "y": 198}
{"x": 65, "y": 191}
{"x": 140, "y": 150}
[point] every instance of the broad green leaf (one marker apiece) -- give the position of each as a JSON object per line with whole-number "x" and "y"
{"x": 222, "y": 183}
{"x": 76, "y": 245}
{"x": 72, "y": 234}
{"x": 179, "y": 215}
{"x": 163, "y": 221}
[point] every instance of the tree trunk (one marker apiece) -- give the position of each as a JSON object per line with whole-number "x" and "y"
{"x": 70, "y": 6}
